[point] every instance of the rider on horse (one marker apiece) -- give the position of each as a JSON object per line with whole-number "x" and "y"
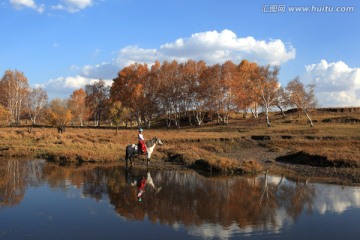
{"x": 141, "y": 143}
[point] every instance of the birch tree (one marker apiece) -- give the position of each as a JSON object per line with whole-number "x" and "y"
{"x": 15, "y": 88}
{"x": 246, "y": 94}
{"x": 267, "y": 86}
{"x": 214, "y": 87}
{"x": 193, "y": 97}
{"x": 302, "y": 97}
{"x": 58, "y": 114}
{"x": 282, "y": 100}
{"x": 77, "y": 104}
{"x": 169, "y": 91}
{"x": 37, "y": 99}
{"x": 118, "y": 114}
{"x": 97, "y": 99}
{"x": 133, "y": 88}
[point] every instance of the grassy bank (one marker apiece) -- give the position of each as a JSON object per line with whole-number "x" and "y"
{"x": 245, "y": 145}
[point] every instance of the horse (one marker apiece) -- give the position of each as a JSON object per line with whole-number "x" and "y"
{"x": 140, "y": 181}
{"x": 132, "y": 150}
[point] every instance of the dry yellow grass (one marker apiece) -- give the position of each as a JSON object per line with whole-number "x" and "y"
{"x": 210, "y": 142}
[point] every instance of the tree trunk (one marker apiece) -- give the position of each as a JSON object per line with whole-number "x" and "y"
{"x": 254, "y": 113}
{"x": 282, "y": 112}
{"x": 308, "y": 117}
{"x": 190, "y": 122}
{"x": 168, "y": 121}
{"x": 220, "y": 119}
{"x": 199, "y": 118}
{"x": 267, "y": 117}
{"x": 148, "y": 124}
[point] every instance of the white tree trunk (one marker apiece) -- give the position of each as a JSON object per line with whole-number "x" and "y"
{"x": 308, "y": 117}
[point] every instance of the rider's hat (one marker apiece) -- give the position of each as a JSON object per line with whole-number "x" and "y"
{"x": 140, "y": 130}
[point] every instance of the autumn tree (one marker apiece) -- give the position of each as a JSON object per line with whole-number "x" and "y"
{"x": 58, "y": 114}
{"x": 119, "y": 114}
{"x": 13, "y": 182}
{"x": 97, "y": 99}
{"x": 170, "y": 91}
{"x": 302, "y": 97}
{"x": 15, "y": 89}
{"x": 150, "y": 106}
{"x": 4, "y": 115}
{"x": 193, "y": 97}
{"x": 140, "y": 90}
{"x": 36, "y": 101}
{"x": 77, "y": 104}
{"x": 229, "y": 76}
{"x": 131, "y": 89}
{"x": 244, "y": 85}
{"x": 282, "y": 100}
{"x": 267, "y": 86}
{"x": 212, "y": 85}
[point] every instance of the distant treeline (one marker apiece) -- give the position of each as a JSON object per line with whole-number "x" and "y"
{"x": 191, "y": 90}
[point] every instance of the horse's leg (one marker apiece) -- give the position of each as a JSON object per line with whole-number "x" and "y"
{"x": 148, "y": 156}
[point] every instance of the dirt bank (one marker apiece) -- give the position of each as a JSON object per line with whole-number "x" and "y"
{"x": 329, "y": 151}
{"x": 256, "y": 156}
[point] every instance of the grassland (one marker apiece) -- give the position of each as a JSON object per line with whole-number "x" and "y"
{"x": 331, "y": 149}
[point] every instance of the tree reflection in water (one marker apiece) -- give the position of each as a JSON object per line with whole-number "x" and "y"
{"x": 186, "y": 197}
{"x": 190, "y": 199}
{"x": 15, "y": 176}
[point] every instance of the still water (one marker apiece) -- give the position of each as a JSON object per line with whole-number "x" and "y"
{"x": 40, "y": 200}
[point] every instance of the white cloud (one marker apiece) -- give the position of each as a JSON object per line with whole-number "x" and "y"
{"x": 73, "y": 5}
{"x": 132, "y": 54}
{"x": 100, "y": 71}
{"x": 337, "y": 85}
{"x": 64, "y": 86}
{"x": 20, "y": 4}
{"x": 212, "y": 47}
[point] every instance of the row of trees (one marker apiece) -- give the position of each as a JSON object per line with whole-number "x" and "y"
{"x": 179, "y": 91}
{"x": 192, "y": 89}
{"x": 18, "y": 99}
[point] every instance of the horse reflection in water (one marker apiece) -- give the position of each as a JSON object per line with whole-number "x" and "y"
{"x": 133, "y": 151}
{"x": 140, "y": 182}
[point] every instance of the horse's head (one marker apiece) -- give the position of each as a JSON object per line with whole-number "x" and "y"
{"x": 158, "y": 141}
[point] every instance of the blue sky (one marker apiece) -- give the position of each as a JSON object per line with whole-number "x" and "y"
{"x": 61, "y": 45}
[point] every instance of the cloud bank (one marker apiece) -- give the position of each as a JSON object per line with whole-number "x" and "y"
{"x": 70, "y": 6}
{"x": 73, "y": 6}
{"x": 20, "y": 4}
{"x": 212, "y": 47}
{"x": 337, "y": 84}
{"x": 63, "y": 87}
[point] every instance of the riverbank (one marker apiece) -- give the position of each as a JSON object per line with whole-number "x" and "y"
{"x": 329, "y": 151}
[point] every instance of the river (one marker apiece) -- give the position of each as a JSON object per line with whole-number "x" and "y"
{"x": 42, "y": 200}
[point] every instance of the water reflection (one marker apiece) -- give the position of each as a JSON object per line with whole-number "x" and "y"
{"x": 15, "y": 176}
{"x": 205, "y": 207}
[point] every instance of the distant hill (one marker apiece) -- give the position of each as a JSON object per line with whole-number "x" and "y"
{"x": 331, "y": 110}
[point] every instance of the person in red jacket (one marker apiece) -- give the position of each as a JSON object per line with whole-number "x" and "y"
{"x": 141, "y": 188}
{"x": 141, "y": 143}
{"x": 141, "y": 184}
